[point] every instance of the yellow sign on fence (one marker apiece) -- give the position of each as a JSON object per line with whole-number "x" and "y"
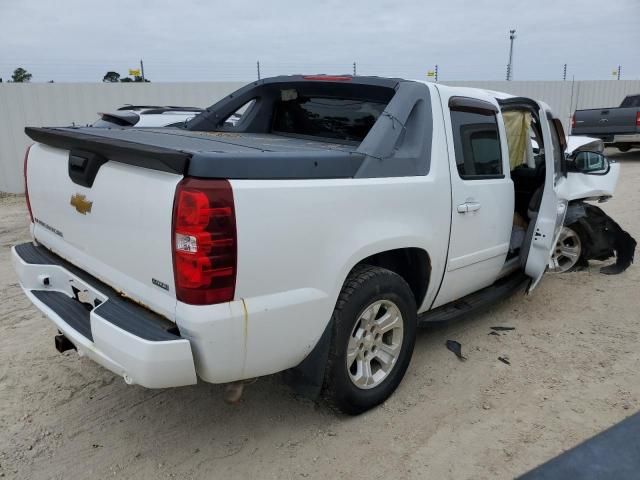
{"x": 134, "y": 73}
{"x": 431, "y": 73}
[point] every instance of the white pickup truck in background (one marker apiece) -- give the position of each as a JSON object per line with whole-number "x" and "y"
{"x": 312, "y": 236}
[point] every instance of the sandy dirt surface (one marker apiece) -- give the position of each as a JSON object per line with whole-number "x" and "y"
{"x": 575, "y": 370}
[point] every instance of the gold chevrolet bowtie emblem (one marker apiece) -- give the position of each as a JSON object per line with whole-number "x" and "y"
{"x": 81, "y": 204}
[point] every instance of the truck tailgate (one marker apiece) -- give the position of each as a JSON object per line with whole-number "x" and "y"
{"x": 605, "y": 121}
{"x": 103, "y": 198}
{"x": 118, "y": 230}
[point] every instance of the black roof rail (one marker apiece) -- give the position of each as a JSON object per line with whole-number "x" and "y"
{"x": 158, "y": 109}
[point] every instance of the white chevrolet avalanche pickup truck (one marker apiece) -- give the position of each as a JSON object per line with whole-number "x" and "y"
{"x": 312, "y": 237}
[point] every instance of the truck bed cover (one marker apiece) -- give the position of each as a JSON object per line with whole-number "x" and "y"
{"x": 209, "y": 154}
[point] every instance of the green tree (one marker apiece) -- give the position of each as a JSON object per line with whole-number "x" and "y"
{"x": 126, "y": 79}
{"x": 111, "y": 77}
{"x": 20, "y": 75}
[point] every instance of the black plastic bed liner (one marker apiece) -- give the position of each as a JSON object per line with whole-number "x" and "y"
{"x": 117, "y": 310}
{"x": 209, "y": 154}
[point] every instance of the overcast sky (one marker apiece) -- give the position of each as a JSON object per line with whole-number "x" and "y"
{"x": 79, "y": 40}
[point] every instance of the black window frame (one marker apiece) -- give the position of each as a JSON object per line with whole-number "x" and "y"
{"x": 478, "y": 107}
{"x": 561, "y": 161}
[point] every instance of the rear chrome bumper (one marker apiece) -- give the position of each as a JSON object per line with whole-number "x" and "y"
{"x": 627, "y": 138}
{"x": 122, "y": 336}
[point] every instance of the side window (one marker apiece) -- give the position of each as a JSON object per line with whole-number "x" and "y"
{"x": 630, "y": 101}
{"x": 477, "y": 144}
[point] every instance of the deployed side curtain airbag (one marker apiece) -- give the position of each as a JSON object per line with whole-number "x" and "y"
{"x": 516, "y": 124}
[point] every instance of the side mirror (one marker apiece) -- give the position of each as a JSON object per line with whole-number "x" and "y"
{"x": 592, "y": 163}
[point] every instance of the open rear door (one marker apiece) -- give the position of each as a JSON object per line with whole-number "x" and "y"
{"x": 545, "y": 226}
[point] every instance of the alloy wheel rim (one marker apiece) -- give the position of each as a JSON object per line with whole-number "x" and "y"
{"x": 566, "y": 252}
{"x": 374, "y": 344}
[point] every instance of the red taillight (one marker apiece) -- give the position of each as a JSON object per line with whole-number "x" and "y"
{"x": 638, "y": 119}
{"x": 573, "y": 121}
{"x": 26, "y": 186}
{"x": 328, "y": 78}
{"x": 204, "y": 241}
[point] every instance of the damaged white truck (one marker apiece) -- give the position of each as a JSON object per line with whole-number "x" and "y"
{"x": 311, "y": 237}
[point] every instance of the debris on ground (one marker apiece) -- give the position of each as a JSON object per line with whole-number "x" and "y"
{"x": 456, "y": 348}
{"x": 502, "y": 329}
{"x": 504, "y": 360}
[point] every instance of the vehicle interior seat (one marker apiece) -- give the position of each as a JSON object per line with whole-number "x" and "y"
{"x": 526, "y": 161}
{"x": 526, "y": 182}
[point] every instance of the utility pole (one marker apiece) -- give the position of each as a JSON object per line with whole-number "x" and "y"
{"x": 142, "y": 70}
{"x": 573, "y": 82}
{"x": 512, "y": 37}
{"x": 564, "y": 72}
{"x": 258, "y": 65}
{"x": 436, "y": 73}
{"x": 619, "y": 71}
{"x": 354, "y": 69}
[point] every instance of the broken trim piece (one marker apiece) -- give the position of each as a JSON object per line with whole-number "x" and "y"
{"x": 606, "y": 238}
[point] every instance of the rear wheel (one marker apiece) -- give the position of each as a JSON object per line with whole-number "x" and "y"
{"x": 374, "y": 330}
{"x": 624, "y": 148}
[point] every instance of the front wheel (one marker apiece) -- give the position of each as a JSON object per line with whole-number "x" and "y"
{"x": 569, "y": 249}
{"x": 374, "y": 331}
{"x": 624, "y": 148}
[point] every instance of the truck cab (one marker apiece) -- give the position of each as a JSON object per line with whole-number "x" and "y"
{"x": 498, "y": 185}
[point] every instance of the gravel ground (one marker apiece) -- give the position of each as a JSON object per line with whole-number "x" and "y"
{"x": 575, "y": 370}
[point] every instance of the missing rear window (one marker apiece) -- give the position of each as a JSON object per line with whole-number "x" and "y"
{"x": 336, "y": 118}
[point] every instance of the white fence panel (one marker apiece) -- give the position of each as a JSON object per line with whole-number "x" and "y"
{"x": 565, "y": 97}
{"x": 61, "y": 104}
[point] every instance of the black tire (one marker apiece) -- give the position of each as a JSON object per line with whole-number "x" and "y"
{"x": 624, "y": 148}
{"x": 364, "y": 286}
{"x": 581, "y": 262}
{"x": 585, "y": 240}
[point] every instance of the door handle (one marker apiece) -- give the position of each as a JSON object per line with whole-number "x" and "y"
{"x": 468, "y": 207}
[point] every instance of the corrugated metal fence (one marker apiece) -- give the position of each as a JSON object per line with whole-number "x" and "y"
{"x": 61, "y": 104}
{"x": 565, "y": 97}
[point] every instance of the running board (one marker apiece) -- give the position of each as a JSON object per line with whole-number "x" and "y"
{"x": 476, "y": 301}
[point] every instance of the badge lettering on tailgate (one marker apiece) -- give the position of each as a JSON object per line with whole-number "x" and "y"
{"x": 80, "y": 203}
{"x": 160, "y": 284}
